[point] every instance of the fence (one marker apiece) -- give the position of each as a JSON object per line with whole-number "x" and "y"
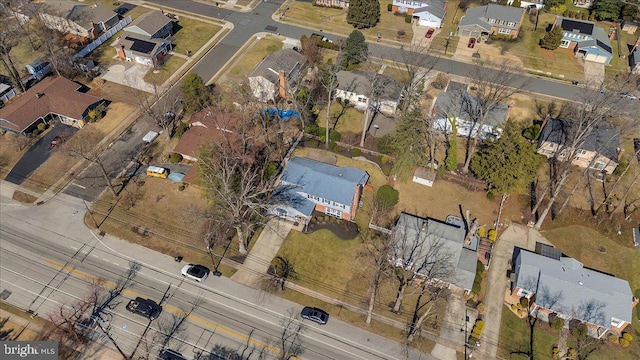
{"x": 467, "y": 182}
{"x": 102, "y": 38}
{"x": 379, "y": 228}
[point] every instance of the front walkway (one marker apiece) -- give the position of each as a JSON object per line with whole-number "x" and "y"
{"x": 263, "y": 251}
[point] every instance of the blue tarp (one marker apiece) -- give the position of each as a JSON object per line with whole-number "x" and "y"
{"x": 282, "y": 114}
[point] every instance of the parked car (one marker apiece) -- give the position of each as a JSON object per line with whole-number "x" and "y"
{"x": 472, "y": 43}
{"x": 145, "y": 307}
{"x": 314, "y": 314}
{"x": 55, "y": 142}
{"x": 168, "y": 354}
{"x": 429, "y": 33}
{"x": 195, "y": 272}
{"x": 629, "y": 96}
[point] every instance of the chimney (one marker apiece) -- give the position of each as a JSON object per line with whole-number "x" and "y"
{"x": 283, "y": 84}
{"x": 39, "y": 95}
{"x": 121, "y": 54}
{"x": 424, "y": 226}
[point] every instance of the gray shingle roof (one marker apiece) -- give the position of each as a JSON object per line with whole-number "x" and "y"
{"x": 360, "y": 82}
{"x": 603, "y": 139}
{"x": 287, "y": 60}
{"x": 451, "y": 237}
{"x": 435, "y": 7}
{"x": 150, "y": 22}
{"x": 480, "y": 15}
{"x": 324, "y": 180}
{"x": 589, "y": 28}
{"x": 566, "y": 287}
{"x": 457, "y": 100}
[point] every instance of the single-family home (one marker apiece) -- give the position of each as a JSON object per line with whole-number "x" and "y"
{"x": 55, "y": 98}
{"x": 586, "y": 4}
{"x": 599, "y": 151}
{"x": 425, "y": 12}
{"x": 560, "y": 286}
{"x": 585, "y": 39}
{"x": 142, "y": 50}
{"x": 87, "y": 21}
{"x": 491, "y": 19}
{"x": 630, "y": 26}
{"x": 6, "y": 92}
{"x": 428, "y": 241}
{"x": 277, "y": 75}
{"x": 208, "y": 125}
{"x": 365, "y": 89}
{"x": 307, "y": 185}
{"x": 341, "y": 4}
{"x": 538, "y": 4}
{"x": 458, "y": 104}
{"x": 634, "y": 61}
{"x": 151, "y": 25}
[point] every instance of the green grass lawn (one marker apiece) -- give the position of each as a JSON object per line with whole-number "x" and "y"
{"x": 449, "y": 25}
{"x": 193, "y": 34}
{"x": 514, "y": 337}
{"x": 161, "y": 75}
{"x": 334, "y": 21}
{"x": 252, "y": 57}
{"x": 349, "y": 121}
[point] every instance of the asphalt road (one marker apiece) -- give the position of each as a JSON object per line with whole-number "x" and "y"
{"x": 48, "y": 259}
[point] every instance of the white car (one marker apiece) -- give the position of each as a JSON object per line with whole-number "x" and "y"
{"x": 195, "y": 272}
{"x": 629, "y": 96}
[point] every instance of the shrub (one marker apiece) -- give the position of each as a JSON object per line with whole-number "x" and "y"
{"x": 175, "y": 158}
{"x": 36, "y": 132}
{"x": 388, "y": 195}
{"x": 557, "y": 324}
{"x": 386, "y": 169}
{"x": 614, "y": 339}
{"x": 42, "y": 127}
{"x": 491, "y": 195}
{"x": 519, "y": 312}
{"x": 181, "y": 128}
{"x": 384, "y": 144}
{"x": 624, "y": 343}
{"x": 311, "y": 128}
{"x": 524, "y": 302}
{"x": 337, "y": 149}
{"x": 389, "y": 7}
{"x": 480, "y": 324}
{"x": 481, "y": 231}
{"x": 627, "y": 336}
{"x": 356, "y": 152}
{"x": 323, "y": 139}
{"x": 181, "y": 188}
{"x": 312, "y": 143}
{"x": 493, "y": 235}
{"x": 384, "y": 159}
{"x": 332, "y": 145}
{"x": 271, "y": 169}
{"x": 94, "y": 115}
{"x": 334, "y": 135}
{"x": 408, "y": 19}
{"x": 440, "y": 82}
{"x": 513, "y": 306}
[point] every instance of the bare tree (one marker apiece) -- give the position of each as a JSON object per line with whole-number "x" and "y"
{"x": 492, "y": 87}
{"x": 87, "y": 147}
{"x": 328, "y": 79}
{"x": 290, "y": 342}
{"x": 415, "y": 69}
{"x": 377, "y": 248}
{"x": 50, "y": 38}
{"x": 163, "y": 107}
{"x": 8, "y": 40}
{"x": 280, "y": 271}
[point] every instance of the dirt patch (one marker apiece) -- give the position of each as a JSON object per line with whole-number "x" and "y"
{"x": 24, "y": 197}
{"x": 345, "y": 230}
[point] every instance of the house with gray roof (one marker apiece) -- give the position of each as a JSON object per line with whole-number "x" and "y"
{"x": 586, "y": 39}
{"x": 634, "y": 61}
{"x": 599, "y": 151}
{"x": 560, "y": 286}
{"x": 152, "y": 25}
{"x": 491, "y": 19}
{"x": 277, "y": 75}
{"x": 142, "y": 50}
{"x": 421, "y": 242}
{"x": 457, "y": 103}
{"x": 363, "y": 89}
{"x": 69, "y": 17}
{"x": 428, "y": 13}
{"x": 307, "y": 185}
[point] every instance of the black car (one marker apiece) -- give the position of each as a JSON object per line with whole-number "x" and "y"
{"x": 145, "y": 307}
{"x": 316, "y": 315}
{"x": 168, "y": 354}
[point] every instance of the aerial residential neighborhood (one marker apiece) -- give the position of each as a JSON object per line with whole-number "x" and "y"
{"x": 361, "y": 179}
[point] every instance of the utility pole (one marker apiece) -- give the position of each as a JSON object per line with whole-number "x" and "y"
{"x": 466, "y": 320}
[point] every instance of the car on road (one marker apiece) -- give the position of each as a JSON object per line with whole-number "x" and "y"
{"x": 472, "y": 43}
{"x": 168, "y": 354}
{"x": 314, "y": 314}
{"x": 145, "y": 307}
{"x": 429, "y": 33}
{"x": 629, "y": 96}
{"x": 195, "y": 272}
{"x": 55, "y": 142}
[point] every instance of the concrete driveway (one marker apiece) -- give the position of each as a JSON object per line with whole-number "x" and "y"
{"x": 497, "y": 282}
{"x": 593, "y": 73}
{"x": 38, "y": 154}
{"x": 128, "y": 74}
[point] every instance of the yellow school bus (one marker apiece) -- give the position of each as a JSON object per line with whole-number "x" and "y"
{"x": 156, "y": 171}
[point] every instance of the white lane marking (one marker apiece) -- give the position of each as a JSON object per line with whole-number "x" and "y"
{"x": 105, "y": 260}
{"x": 78, "y": 185}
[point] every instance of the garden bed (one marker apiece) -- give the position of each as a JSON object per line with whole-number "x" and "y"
{"x": 345, "y": 230}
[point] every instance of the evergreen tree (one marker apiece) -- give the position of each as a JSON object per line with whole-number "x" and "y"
{"x": 195, "y": 94}
{"x": 363, "y": 14}
{"x": 451, "y": 160}
{"x": 516, "y": 3}
{"x": 552, "y": 39}
{"x": 607, "y": 9}
{"x": 355, "y": 49}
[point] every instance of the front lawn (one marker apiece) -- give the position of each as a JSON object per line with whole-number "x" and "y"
{"x": 252, "y": 57}
{"x": 349, "y": 121}
{"x": 159, "y": 76}
{"x": 514, "y": 337}
{"x": 192, "y": 35}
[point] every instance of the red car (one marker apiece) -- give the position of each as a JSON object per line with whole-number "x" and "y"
{"x": 55, "y": 142}
{"x": 429, "y": 33}
{"x": 472, "y": 43}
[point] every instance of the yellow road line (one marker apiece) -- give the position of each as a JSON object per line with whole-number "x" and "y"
{"x": 169, "y": 308}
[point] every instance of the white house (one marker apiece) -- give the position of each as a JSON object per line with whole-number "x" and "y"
{"x": 425, "y": 12}
{"x": 363, "y": 89}
{"x": 277, "y": 74}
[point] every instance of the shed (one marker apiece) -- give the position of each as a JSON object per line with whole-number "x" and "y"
{"x": 424, "y": 176}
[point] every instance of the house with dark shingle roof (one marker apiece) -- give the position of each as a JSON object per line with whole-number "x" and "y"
{"x": 151, "y": 25}
{"x": 425, "y": 12}
{"x": 52, "y": 99}
{"x": 142, "y": 50}
{"x": 363, "y": 89}
{"x": 492, "y": 19}
{"x": 209, "y": 125}
{"x": 586, "y": 39}
{"x": 313, "y": 185}
{"x": 88, "y": 21}
{"x": 560, "y": 286}
{"x": 599, "y": 151}
{"x": 417, "y": 239}
{"x": 634, "y": 61}
{"x": 276, "y": 74}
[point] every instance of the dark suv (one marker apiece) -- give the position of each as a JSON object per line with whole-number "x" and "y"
{"x": 145, "y": 307}
{"x": 168, "y": 354}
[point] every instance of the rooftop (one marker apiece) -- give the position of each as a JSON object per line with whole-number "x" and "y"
{"x": 604, "y": 139}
